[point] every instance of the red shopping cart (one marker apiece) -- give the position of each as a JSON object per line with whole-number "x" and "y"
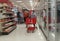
{"x": 30, "y": 24}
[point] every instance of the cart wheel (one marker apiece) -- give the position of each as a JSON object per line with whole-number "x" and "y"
{"x": 33, "y": 31}
{"x": 27, "y": 31}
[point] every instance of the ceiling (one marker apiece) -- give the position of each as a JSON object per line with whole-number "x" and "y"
{"x": 29, "y": 4}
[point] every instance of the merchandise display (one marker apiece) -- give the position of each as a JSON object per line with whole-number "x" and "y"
{"x": 7, "y": 22}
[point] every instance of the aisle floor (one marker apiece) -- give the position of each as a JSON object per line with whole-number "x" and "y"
{"x": 20, "y": 34}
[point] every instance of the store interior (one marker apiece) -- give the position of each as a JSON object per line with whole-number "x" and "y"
{"x": 29, "y": 20}
{"x": 13, "y": 27}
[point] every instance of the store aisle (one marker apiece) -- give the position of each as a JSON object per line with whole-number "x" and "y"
{"x": 20, "y": 34}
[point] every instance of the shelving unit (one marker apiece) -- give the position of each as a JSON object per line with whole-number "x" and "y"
{"x": 7, "y": 22}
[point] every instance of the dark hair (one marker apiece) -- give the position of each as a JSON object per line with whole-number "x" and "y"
{"x": 25, "y": 10}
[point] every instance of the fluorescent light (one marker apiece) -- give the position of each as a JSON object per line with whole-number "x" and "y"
{"x": 18, "y": 1}
{"x": 30, "y": 1}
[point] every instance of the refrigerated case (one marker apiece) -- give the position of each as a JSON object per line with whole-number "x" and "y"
{"x": 58, "y": 22}
{"x": 53, "y": 21}
{"x": 49, "y": 27}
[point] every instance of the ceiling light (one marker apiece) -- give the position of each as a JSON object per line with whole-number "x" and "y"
{"x": 18, "y": 1}
{"x": 30, "y": 1}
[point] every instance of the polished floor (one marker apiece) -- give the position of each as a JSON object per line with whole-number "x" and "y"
{"x": 20, "y": 34}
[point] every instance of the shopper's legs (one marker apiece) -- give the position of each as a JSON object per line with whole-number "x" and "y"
{"x": 18, "y": 20}
{"x": 25, "y": 19}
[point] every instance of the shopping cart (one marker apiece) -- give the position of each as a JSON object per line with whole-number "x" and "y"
{"x": 30, "y": 24}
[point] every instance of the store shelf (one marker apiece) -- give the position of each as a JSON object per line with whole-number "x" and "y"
{"x": 7, "y": 19}
{"x": 8, "y": 13}
{"x": 7, "y": 26}
{"x": 7, "y": 7}
{"x": 1, "y": 7}
{"x": 9, "y": 30}
{"x": 9, "y": 10}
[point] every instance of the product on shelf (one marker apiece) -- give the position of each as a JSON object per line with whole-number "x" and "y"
{"x": 7, "y": 22}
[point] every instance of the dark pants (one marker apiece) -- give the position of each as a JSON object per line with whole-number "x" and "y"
{"x": 25, "y": 19}
{"x": 18, "y": 20}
